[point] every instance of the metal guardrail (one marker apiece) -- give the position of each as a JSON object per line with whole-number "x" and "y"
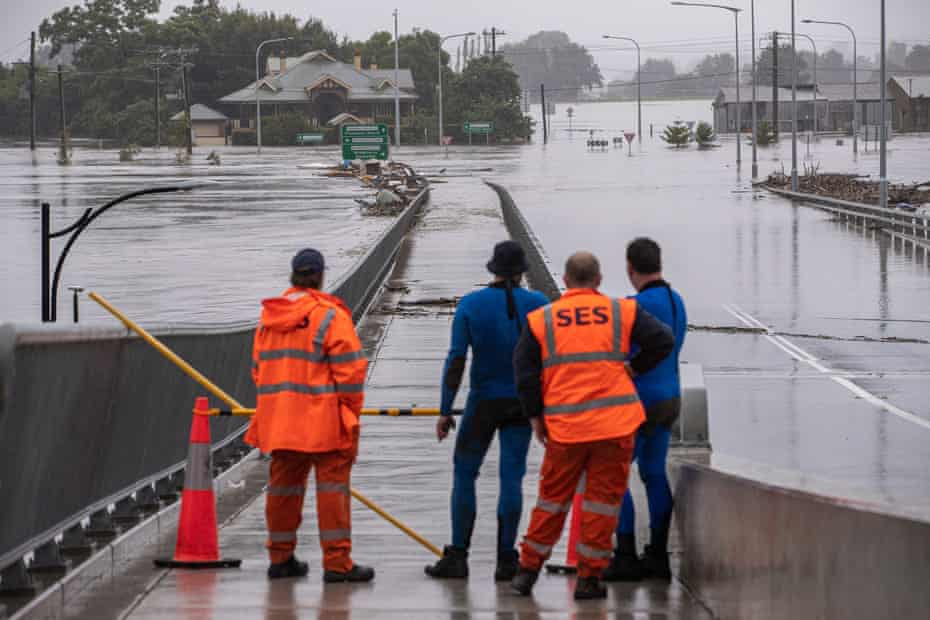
{"x": 913, "y": 225}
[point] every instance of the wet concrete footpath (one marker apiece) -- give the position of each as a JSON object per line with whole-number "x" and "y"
{"x": 402, "y": 467}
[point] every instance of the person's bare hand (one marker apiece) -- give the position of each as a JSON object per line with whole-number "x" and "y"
{"x": 444, "y": 424}
{"x": 539, "y": 429}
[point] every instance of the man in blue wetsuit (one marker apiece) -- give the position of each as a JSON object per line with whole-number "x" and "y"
{"x": 490, "y": 322}
{"x": 660, "y": 392}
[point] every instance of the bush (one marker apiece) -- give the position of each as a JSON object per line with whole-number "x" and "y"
{"x": 243, "y": 137}
{"x": 677, "y": 134}
{"x": 765, "y": 134}
{"x": 704, "y": 134}
{"x": 282, "y": 130}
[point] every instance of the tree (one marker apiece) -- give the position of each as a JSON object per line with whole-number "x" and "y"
{"x": 918, "y": 59}
{"x": 764, "y": 66}
{"x": 765, "y": 133}
{"x": 488, "y": 90}
{"x": 551, "y": 58}
{"x": 677, "y": 134}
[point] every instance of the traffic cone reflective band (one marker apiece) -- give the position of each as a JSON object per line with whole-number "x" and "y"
{"x": 574, "y": 533}
{"x": 198, "y": 541}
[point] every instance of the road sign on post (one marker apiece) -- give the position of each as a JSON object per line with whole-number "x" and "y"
{"x": 484, "y": 127}
{"x": 364, "y": 142}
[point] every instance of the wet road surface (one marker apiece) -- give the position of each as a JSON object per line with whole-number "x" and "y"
{"x": 402, "y": 467}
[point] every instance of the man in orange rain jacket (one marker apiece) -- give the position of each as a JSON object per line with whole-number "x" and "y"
{"x": 309, "y": 369}
{"x": 575, "y": 386}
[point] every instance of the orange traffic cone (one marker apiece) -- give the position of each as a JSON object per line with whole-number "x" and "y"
{"x": 574, "y": 532}
{"x": 198, "y": 542}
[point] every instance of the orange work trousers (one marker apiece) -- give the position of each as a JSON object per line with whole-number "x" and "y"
{"x": 285, "y": 501}
{"x": 607, "y": 467}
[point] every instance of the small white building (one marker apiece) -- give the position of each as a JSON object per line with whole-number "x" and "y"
{"x": 208, "y": 127}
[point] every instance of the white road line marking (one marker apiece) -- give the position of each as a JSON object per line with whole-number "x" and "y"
{"x": 801, "y": 355}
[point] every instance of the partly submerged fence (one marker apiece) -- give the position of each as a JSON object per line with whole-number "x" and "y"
{"x": 87, "y": 414}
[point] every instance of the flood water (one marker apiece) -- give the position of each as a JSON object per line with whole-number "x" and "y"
{"x": 842, "y": 299}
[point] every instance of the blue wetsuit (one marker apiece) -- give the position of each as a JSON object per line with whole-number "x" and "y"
{"x": 660, "y": 392}
{"x": 491, "y": 326}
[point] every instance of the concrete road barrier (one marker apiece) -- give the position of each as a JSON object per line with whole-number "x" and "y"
{"x": 86, "y": 412}
{"x": 754, "y": 550}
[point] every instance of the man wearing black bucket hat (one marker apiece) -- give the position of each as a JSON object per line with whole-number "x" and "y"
{"x": 490, "y": 322}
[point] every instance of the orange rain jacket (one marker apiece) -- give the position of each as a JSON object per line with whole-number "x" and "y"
{"x": 587, "y": 393}
{"x": 309, "y": 370}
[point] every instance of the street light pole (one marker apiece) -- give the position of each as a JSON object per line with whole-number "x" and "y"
{"x": 258, "y": 77}
{"x": 439, "y": 69}
{"x": 855, "y": 76}
{"x": 736, "y": 12}
{"x": 883, "y": 132}
{"x": 396, "y": 87}
{"x": 794, "y": 105}
{"x": 639, "y": 85}
{"x": 755, "y": 158}
{"x": 814, "y": 47}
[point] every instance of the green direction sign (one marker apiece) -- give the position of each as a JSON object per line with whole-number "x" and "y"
{"x": 309, "y": 138}
{"x": 485, "y": 127}
{"x": 365, "y": 142}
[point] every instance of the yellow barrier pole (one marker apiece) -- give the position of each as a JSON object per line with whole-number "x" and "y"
{"x": 236, "y": 406}
{"x": 396, "y": 412}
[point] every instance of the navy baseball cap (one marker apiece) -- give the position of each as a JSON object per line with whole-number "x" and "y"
{"x": 308, "y": 260}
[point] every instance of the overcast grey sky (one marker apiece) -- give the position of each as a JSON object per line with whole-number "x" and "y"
{"x": 685, "y": 34}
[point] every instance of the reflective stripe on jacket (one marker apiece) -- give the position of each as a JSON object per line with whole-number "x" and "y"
{"x": 309, "y": 372}
{"x": 584, "y": 338}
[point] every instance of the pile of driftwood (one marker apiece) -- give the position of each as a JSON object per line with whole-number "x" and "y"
{"x": 851, "y": 187}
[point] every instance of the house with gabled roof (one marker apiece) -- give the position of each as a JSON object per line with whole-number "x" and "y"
{"x": 321, "y": 88}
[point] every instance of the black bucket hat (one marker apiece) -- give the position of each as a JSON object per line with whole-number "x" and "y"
{"x": 509, "y": 260}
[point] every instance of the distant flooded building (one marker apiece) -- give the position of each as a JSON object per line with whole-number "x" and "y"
{"x": 912, "y": 99}
{"x": 834, "y": 107}
{"x": 208, "y": 127}
{"x": 320, "y": 87}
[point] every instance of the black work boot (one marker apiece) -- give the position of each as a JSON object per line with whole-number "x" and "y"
{"x": 452, "y": 565}
{"x": 588, "y": 588}
{"x": 523, "y": 583}
{"x": 508, "y": 563}
{"x": 357, "y": 574}
{"x": 624, "y": 565}
{"x": 655, "y": 556}
{"x": 289, "y": 568}
{"x": 656, "y": 564}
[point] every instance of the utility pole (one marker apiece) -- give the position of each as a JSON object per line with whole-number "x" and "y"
{"x": 157, "y": 107}
{"x": 187, "y": 109}
{"x": 775, "y": 82}
{"x": 794, "y": 104}
{"x": 63, "y": 130}
{"x": 542, "y": 97}
{"x": 494, "y": 34}
{"x": 883, "y": 131}
{"x": 32, "y": 91}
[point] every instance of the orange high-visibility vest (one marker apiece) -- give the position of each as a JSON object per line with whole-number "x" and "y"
{"x": 587, "y": 393}
{"x": 309, "y": 372}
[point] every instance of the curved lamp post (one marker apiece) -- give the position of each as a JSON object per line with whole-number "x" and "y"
{"x": 258, "y": 78}
{"x": 736, "y": 12}
{"x": 855, "y": 128}
{"x": 50, "y": 291}
{"x": 639, "y": 83}
{"x": 439, "y": 68}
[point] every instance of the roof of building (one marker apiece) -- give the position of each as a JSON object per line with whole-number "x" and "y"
{"x": 914, "y": 85}
{"x": 825, "y": 92}
{"x": 200, "y": 112}
{"x": 344, "y": 118}
{"x": 293, "y": 84}
{"x": 844, "y": 92}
